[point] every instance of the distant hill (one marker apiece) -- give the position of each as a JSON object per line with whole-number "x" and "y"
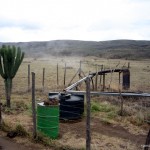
{"x": 126, "y": 49}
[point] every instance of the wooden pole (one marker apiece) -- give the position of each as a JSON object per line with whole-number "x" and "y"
{"x": 147, "y": 143}
{"x": 121, "y": 109}
{"x": 43, "y": 81}
{"x": 92, "y": 84}
{"x": 128, "y": 65}
{"x": 65, "y": 75}
{"x": 73, "y": 77}
{"x": 80, "y": 71}
{"x": 100, "y": 80}
{"x": 88, "y": 130}
{"x": 103, "y": 81}
{"x": 33, "y": 105}
{"x": 57, "y": 75}
{"x": 0, "y": 114}
{"x": 119, "y": 78}
{"x": 96, "y": 78}
{"x": 28, "y": 77}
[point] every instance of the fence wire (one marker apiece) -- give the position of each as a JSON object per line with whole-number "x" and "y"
{"x": 136, "y": 109}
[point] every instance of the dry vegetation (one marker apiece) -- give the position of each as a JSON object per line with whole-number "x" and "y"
{"x": 106, "y": 122}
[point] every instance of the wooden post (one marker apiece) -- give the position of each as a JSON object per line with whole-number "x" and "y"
{"x": 43, "y": 81}
{"x": 65, "y": 75}
{"x": 80, "y": 70}
{"x": 57, "y": 75}
{"x": 33, "y": 105}
{"x": 96, "y": 78}
{"x": 73, "y": 77}
{"x": 28, "y": 77}
{"x": 103, "y": 81}
{"x": 128, "y": 65}
{"x": 92, "y": 84}
{"x": 88, "y": 131}
{"x": 101, "y": 75}
{"x": 119, "y": 78}
{"x": 147, "y": 143}
{"x": 121, "y": 109}
{"x": 0, "y": 114}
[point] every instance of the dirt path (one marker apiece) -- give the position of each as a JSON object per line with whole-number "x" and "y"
{"x": 105, "y": 129}
{"x": 8, "y": 144}
{"x": 79, "y": 129}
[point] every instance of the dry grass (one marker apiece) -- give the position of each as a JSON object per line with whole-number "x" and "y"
{"x": 21, "y": 99}
{"x": 101, "y": 142}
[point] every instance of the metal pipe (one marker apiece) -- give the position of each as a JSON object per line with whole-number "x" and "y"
{"x": 110, "y": 93}
{"x": 91, "y": 75}
{"x": 77, "y": 83}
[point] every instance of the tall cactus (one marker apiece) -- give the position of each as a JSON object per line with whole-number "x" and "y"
{"x": 10, "y": 60}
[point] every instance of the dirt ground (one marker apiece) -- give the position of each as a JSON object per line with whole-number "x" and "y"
{"x": 9, "y": 144}
{"x": 109, "y": 130}
{"x": 78, "y": 129}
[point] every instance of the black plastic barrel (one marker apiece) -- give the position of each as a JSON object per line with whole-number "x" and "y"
{"x": 71, "y": 105}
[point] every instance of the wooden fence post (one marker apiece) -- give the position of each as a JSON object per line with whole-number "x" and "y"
{"x": 28, "y": 77}
{"x": 80, "y": 70}
{"x": 119, "y": 78}
{"x": 57, "y": 75}
{"x": 147, "y": 143}
{"x": 43, "y": 81}
{"x": 96, "y": 78}
{"x": 103, "y": 81}
{"x": 101, "y": 75}
{"x": 128, "y": 65}
{"x": 88, "y": 130}
{"x": 0, "y": 114}
{"x": 121, "y": 107}
{"x": 65, "y": 75}
{"x": 33, "y": 106}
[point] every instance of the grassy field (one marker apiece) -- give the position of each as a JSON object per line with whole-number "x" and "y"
{"x": 139, "y": 72}
{"x": 119, "y": 130}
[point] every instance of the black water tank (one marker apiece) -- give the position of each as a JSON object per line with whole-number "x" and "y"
{"x": 71, "y": 106}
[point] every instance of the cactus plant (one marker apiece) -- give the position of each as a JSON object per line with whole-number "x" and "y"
{"x": 10, "y": 60}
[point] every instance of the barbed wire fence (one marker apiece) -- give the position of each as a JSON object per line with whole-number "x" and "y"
{"x": 141, "y": 105}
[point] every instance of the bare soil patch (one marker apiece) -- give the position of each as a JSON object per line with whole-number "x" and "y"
{"x": 79, "y": 128}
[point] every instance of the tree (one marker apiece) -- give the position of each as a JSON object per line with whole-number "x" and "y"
{"x": 10, "y": 60}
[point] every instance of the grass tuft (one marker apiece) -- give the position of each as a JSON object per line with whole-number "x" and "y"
{"x": 21, "y": 131}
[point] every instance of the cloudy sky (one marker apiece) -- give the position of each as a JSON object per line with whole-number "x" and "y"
{"x": 95, "y": 20}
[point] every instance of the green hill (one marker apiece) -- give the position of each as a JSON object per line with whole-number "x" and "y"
{"x": 126, "y": 49}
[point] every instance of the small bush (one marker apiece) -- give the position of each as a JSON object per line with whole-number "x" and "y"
{"x": 20, "y": 130}
{"x": 5, "y": 127}
{"x": 95, "y": 107}
{"x": 106, "y": 121}
{"x": 112, "y": 114}
{"x": 102, "y": 107}
{"x": 41, "y": 138}
{"x": 138, "y": 119}
{"x": 20, "y": 105}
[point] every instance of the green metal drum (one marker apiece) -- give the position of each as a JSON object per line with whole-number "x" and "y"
{"x": 48, "y": 120}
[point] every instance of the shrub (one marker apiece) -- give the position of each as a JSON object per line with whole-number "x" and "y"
{"x": 20, "y": 130}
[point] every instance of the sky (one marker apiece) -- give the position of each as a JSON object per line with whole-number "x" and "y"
{"x": 88, "y": 20}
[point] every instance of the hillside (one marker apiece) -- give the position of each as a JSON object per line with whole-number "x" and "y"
{"x": 127, "y": 49}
